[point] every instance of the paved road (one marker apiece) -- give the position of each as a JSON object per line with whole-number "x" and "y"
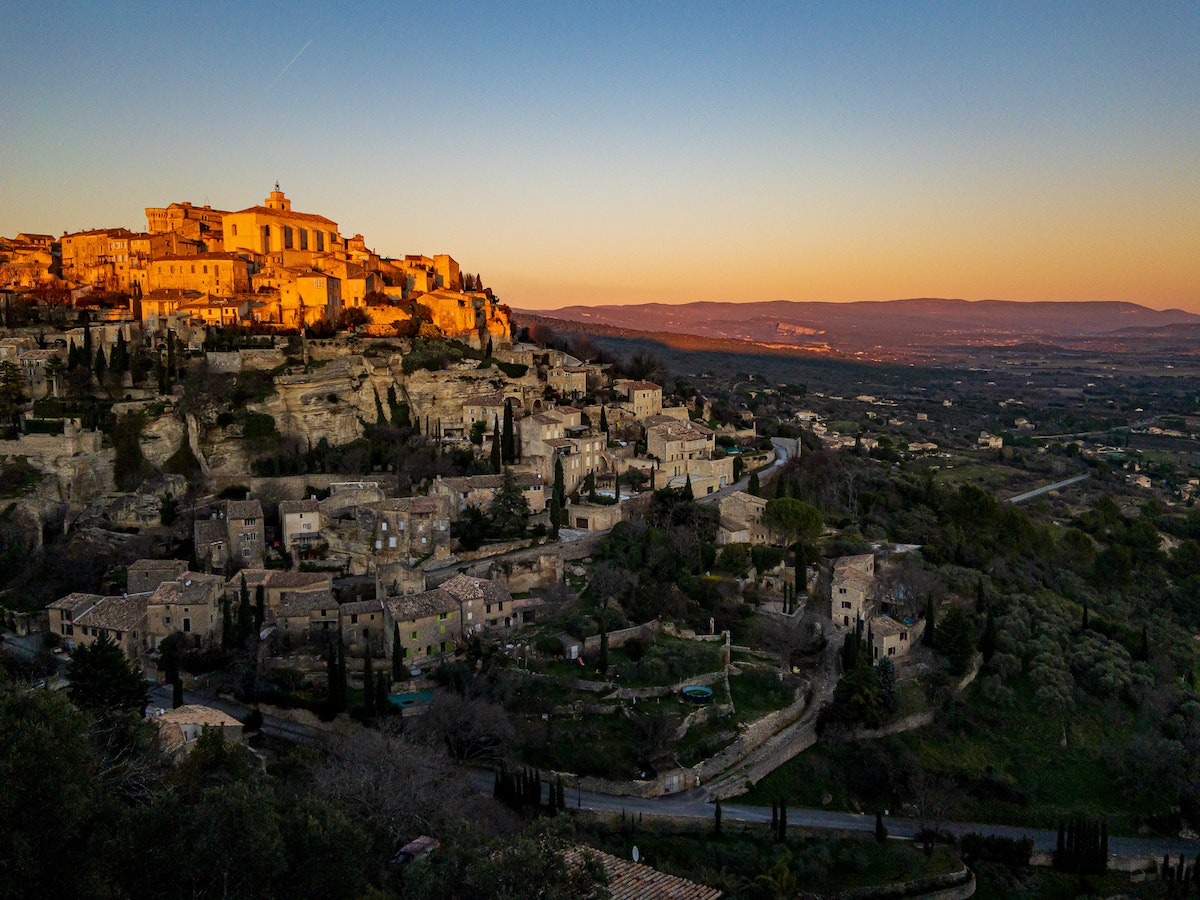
{"x": 693, "y": 805}
{"x": 1037, "y": 492}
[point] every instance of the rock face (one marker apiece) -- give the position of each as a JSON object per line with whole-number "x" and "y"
{"x": 471, "y": 317}
{"x": 440, "y": 395}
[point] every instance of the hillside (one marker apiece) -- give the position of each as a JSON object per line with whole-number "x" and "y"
{"x": 880, "y": 325}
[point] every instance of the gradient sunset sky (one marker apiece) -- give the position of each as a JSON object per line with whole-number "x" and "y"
{"x": 616, "y": 153}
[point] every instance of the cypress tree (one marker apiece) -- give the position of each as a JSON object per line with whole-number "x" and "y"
{"x": 507, "y": 447}
{"x": 260, "y": 606}
{"x": 603, "y": 420}
{"x": 782, "y": 821}
{"x": 368, "y": 685}
{"x": 717, "y": 816}
{"x": 245, "y": 615}
{"x": 397, "y": 654}
{"x": 228, "y": 635}
{"x": 881, "y": 832}
{"x": 754, "y": 487}
{"x": 560, "y": 487}
{"x": 774, "y": 818}
{"x": 101, "y": 366}
{"x": 497, "y": 456}
{"x": 931, "y": 622}
{"x": 176, "y": 692}
{"x": 687, "y": 494}
{"x": 382, "y": 690}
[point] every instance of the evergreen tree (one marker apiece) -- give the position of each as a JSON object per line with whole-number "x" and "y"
{"x": 228, "y": 632}
{"x": 559, "y": 494}
{"x": 509, "y": 509}
{"x": 102, "y": 680}
{"x": 881, "y": 832}
{"x": 931, "y": 621}
{"x": 382, "y": 701}
{"x": 508, "y": 452}
{"x": 120, "y": 358}
{"x": 885, "y": 674}
{"x": 603, "y": 420}
{"x": 956, "y": 640}
{"x": 260, "y": 606}
{"x": 717, "y": 816}
{"x": 397, "y": 654}
{"x": 754, "y": 487}
{"x": 101, "y": 366}
{"x": 497, "y": 455}
{"x": 369, "y": 694}
{"x": 245, "y": 615}
{"x": 687, "y": 495}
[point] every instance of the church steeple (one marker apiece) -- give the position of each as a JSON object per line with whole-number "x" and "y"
{"x": 276, "y": 200}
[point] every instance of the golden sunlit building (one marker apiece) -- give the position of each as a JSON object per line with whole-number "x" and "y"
{"x": 273, "y": 228}
{"x": 213, "y": 273}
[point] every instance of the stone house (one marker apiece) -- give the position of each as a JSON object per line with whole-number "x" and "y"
{"x": 741, "y": 519}
{"x": 300, "y": 522}
{"x": 850, "y": 589}
{"x": 306, "y": 615}
{"x": 80, "y": 619}
{"x": 233, "y": 537}
{"x": 179, "y": 729}
{"x": 643, "y": 398}
{"x": 480, "y": 490}
{"x": 274, "y": 584}
{"x": 429, "y": 625}
{"x": 147, "y": 574}
{"x": 406, "y": 527}
{"x": 890, "y": 638}
{"x": 363, "y": 624}
{"x": 189, "y": 604}
{"x": 482, "y": 603}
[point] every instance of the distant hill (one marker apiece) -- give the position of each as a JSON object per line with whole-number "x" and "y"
{"x": 881, "y": 326}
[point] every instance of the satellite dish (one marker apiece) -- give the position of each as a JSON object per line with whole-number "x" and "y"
{"x": 636, "y": 854}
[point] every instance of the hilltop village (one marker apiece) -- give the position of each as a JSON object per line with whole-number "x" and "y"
{"x": 309, "y": 496}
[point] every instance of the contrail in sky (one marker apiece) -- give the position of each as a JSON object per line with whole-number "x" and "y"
{"x": 289, "y": 65}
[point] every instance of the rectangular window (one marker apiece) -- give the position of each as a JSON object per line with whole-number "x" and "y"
{"x": 392, "y": 543}
{"x": 303, "y": 238}
{"x": 287, "y": 237}
{"x": 354, "y": 618}
{"x": 234, "y": 227}
{"x": 379, "y": 545}
{"x": 442, "y": 617}
{"x": 320, "y": 241}
{"x": 187, "y": 624}
{"x": 413, "y": 636}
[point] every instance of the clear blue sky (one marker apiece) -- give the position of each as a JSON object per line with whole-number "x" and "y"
{"x": 611, "y": 153}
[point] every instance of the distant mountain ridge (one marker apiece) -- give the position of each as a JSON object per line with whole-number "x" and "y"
{"x": 880, "y": 325}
